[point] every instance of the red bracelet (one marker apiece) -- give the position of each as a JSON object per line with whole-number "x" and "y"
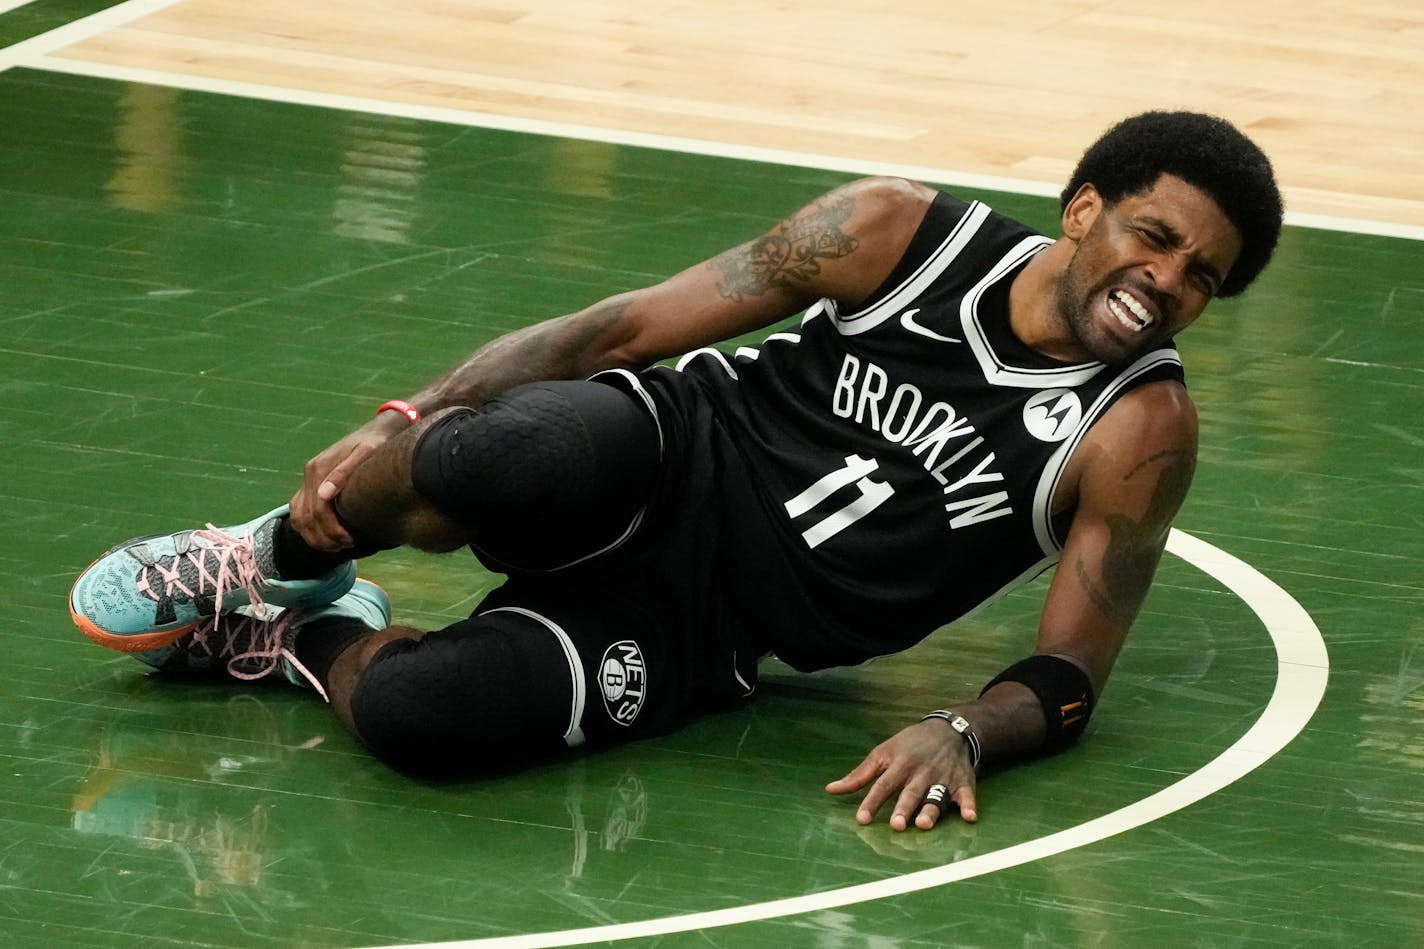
{"x": 404, "y": 408}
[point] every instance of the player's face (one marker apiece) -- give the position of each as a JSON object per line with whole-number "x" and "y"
{"x": 1143, "y": 269}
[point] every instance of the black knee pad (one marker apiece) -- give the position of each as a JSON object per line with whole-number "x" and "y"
{"x": 493, "y": 692}
{"x": 543, "y": 475}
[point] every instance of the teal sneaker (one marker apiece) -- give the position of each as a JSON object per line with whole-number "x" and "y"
{"x": 150, "y": 591}
{"x": 245, "y": 647}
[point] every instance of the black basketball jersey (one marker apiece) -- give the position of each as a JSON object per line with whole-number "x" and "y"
{"x": 891, "y": 469}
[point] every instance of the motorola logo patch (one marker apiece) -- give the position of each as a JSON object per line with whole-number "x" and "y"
{"x": 1053, "y": 415}
{"x": 622, "y": 678}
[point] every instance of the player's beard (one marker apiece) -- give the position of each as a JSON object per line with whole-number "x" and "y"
{"x": 1081, "y": 305}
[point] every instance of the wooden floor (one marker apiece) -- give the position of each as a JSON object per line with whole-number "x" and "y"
{"x": 229, "y": 229}
{"x": 1010, "y": 89}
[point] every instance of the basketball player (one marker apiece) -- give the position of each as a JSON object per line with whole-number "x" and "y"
{"x": 961, "y": 404}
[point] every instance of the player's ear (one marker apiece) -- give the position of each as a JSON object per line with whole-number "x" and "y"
{"x": 1081, "y": 211}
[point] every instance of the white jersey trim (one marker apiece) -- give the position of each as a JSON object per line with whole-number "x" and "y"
{"x": 935, "y": 264}
{"x": 573, "y": 735}
{"x": 792, "y": 338}
{"x": 1048, "y": 539}
{"x": 996, "y": 371}
{"x": 716, "y": 355}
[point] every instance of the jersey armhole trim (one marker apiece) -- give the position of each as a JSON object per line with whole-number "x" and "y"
{"x": 939, "y": 260}
{"x": 1048, "y": 540}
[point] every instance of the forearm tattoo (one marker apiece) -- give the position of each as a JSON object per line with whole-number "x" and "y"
{"x": 553, "y": 349}
{"x": 791, "y": 256}
{"x": 1135, "y": 545}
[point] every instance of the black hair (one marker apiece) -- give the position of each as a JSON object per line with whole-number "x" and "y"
{"x": 1208, "y": 153}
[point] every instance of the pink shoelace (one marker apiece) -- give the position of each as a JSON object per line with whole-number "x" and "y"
{"x": 239, "y": 639}
{"x": 236, "y": 568}
{"x": 232, "y": 637}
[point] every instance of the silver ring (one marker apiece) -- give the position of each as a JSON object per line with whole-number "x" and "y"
{"x": 935, "y": 795}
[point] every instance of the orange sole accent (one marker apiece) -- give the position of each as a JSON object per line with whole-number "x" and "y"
{"x": 142, "y": 642}
{"x": 139, "y": 642}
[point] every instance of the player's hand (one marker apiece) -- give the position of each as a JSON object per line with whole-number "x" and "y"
{"x": 904, "y": 768}
{"x": 326, "y": 475}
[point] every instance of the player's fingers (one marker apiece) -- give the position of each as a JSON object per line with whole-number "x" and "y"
{"x": 335, "y": 479}
{"x": 880, "y": 792}
{"x": 333, "y": 533}
{"x": 910, "y": 805}
{"x": 968, "y": 805}
{"x": 315, "y": 518}
{"x": 861, "y": 775}
{"x": 316, "y": 521}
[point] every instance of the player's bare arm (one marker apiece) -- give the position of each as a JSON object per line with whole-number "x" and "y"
{"x": 1131, "y": 479}
{"x": 840, "y": 246}
{"x": 792, "y": 256}
{"x": 1126, "y": 484}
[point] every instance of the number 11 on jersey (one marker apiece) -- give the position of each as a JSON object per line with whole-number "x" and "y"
{"x": 856, "y": 472}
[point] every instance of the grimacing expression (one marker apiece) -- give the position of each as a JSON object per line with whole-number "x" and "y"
{"x": 1144, "y": 268}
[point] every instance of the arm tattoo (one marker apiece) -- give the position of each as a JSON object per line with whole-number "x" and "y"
{"x": 552, "y": 349}
{"x": 792, "y": 255}
{"x": 1135, "y": 546}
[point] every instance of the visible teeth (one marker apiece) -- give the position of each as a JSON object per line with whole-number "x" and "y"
{"x": 1121, "y": 299}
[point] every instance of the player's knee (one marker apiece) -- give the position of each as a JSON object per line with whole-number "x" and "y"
{"x": 463, "y": 703}
{"x": 543, "y": 475}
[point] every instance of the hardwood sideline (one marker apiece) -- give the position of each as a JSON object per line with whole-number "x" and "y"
{"x": 1012, "y": 89}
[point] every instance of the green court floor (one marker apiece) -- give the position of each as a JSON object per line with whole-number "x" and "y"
{"x": 199, "y": 292}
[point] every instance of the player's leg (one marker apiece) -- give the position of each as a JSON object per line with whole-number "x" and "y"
{"x": 537, "y": 479}
{"x": 513, "y": 683}
{"x": 548, "y": 473}
{"x": 541, "y": 477}
{"x": 543, "y": 667}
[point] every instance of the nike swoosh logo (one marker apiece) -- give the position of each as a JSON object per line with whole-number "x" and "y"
{"x": 907, "y": 320}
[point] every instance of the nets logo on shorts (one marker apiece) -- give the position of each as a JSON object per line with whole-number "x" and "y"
{"x": 623, "y": 681}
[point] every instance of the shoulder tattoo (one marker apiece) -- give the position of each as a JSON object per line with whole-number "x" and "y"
{"x": 1135, "y": 544}
{"x": 790, "y": 256}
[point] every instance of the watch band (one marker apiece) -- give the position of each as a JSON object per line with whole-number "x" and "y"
{"x": 960, "y": 724}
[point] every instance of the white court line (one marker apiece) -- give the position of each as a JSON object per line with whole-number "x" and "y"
{"x": 39, "y": 59}
{"x": 28, "y": 51}
{"x": 1302, "y": 670}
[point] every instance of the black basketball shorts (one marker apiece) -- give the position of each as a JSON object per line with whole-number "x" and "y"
{"x": 612, "y": 624}
{"x": 541, "y": 668}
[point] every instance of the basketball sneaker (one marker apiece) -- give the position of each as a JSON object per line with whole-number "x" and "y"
{"x": 247, "y": 647}
{"x": 149, "y": 591}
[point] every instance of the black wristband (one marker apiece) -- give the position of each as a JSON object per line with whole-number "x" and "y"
{"x": 1064, "y": 691}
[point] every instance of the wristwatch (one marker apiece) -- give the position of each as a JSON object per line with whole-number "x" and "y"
{"x": 960, "y": 724}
